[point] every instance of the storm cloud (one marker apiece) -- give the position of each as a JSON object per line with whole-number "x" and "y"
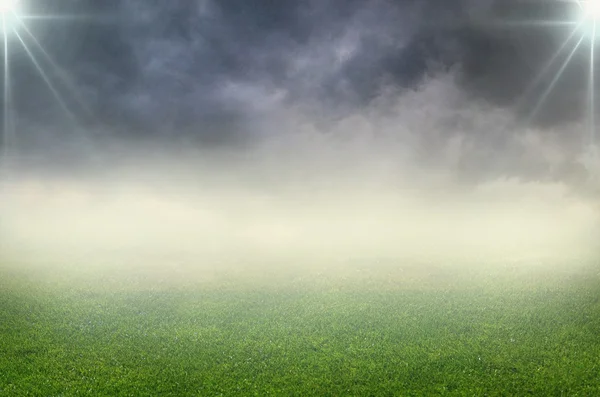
{"x": 208, "y": 70}
{"x": 447, "y": 84}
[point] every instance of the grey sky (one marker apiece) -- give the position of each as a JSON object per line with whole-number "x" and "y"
{"x": 208, "y": 73}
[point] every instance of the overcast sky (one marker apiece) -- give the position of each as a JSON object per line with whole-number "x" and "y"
{"x": 220, "y": 72}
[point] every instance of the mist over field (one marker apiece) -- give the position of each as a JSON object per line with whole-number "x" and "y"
{"x": 319, "y": 197}
{"x": 297, "y": 136}
{"x": 428, "y": 176}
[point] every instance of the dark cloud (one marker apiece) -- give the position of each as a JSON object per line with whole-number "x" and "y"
{"x": 211, "y": 71}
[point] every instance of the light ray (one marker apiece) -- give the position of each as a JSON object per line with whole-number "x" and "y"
{"x": 45, "y": 77}
{"x": 7, "y": 133}
{"x": 65, "y": 79}
{"x": 592, "y": 106}
{"x": 557, "y": 77}
{"x": 57, "y": 17}
{"x": 534, "y": 23}
{"x": 546, "y": 67}
{"x": 5, "y": 97}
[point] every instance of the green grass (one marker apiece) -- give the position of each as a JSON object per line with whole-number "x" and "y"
{"x": 520, "y": 334}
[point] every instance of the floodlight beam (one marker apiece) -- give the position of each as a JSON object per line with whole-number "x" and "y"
{"x": 557, "y": 77}
{"x": 45, "y": 77}
{"x": 549, "y": 64}
{"x": 6, "y": 116}
{"x": 592, "y": 106}
{"x": 59, "y": 71}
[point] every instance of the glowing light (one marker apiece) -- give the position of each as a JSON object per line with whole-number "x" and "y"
{"x": 591, "y": 9}
{"x": 46, "y": 78}
{"x": 585, "y": 21}
{"x": 6, "y": 115}
{"x": 9, "y": 6}
{"x": 591, "y": 89}
{"x": 548, "y": 65}
{"x": 14, "y": 21}
{"x": 557, "y": 77}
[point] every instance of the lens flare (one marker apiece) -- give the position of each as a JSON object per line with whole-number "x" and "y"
{"x": 585, "y": 31}
{"x": 591, "y": 9}
{"x": 14, "y": 21}
{"x": 9, "y": 6}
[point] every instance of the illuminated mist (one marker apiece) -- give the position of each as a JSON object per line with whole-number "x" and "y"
{"x": 427, "y": 175}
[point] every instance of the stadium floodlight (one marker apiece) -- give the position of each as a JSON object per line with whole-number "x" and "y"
{"x": 591, "y": 9}
{"x": 9, "y": 7}
{"x": 15, "y": 21}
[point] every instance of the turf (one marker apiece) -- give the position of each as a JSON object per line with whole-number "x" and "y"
{"x": 511, "y": 335}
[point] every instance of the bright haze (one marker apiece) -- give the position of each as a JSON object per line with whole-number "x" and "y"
{"x": 210, "y": 134}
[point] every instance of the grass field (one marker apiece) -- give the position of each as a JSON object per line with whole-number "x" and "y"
{"x": 362, "y": 330}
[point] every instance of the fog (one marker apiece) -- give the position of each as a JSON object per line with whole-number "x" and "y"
{"x": 427, "y": 176}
